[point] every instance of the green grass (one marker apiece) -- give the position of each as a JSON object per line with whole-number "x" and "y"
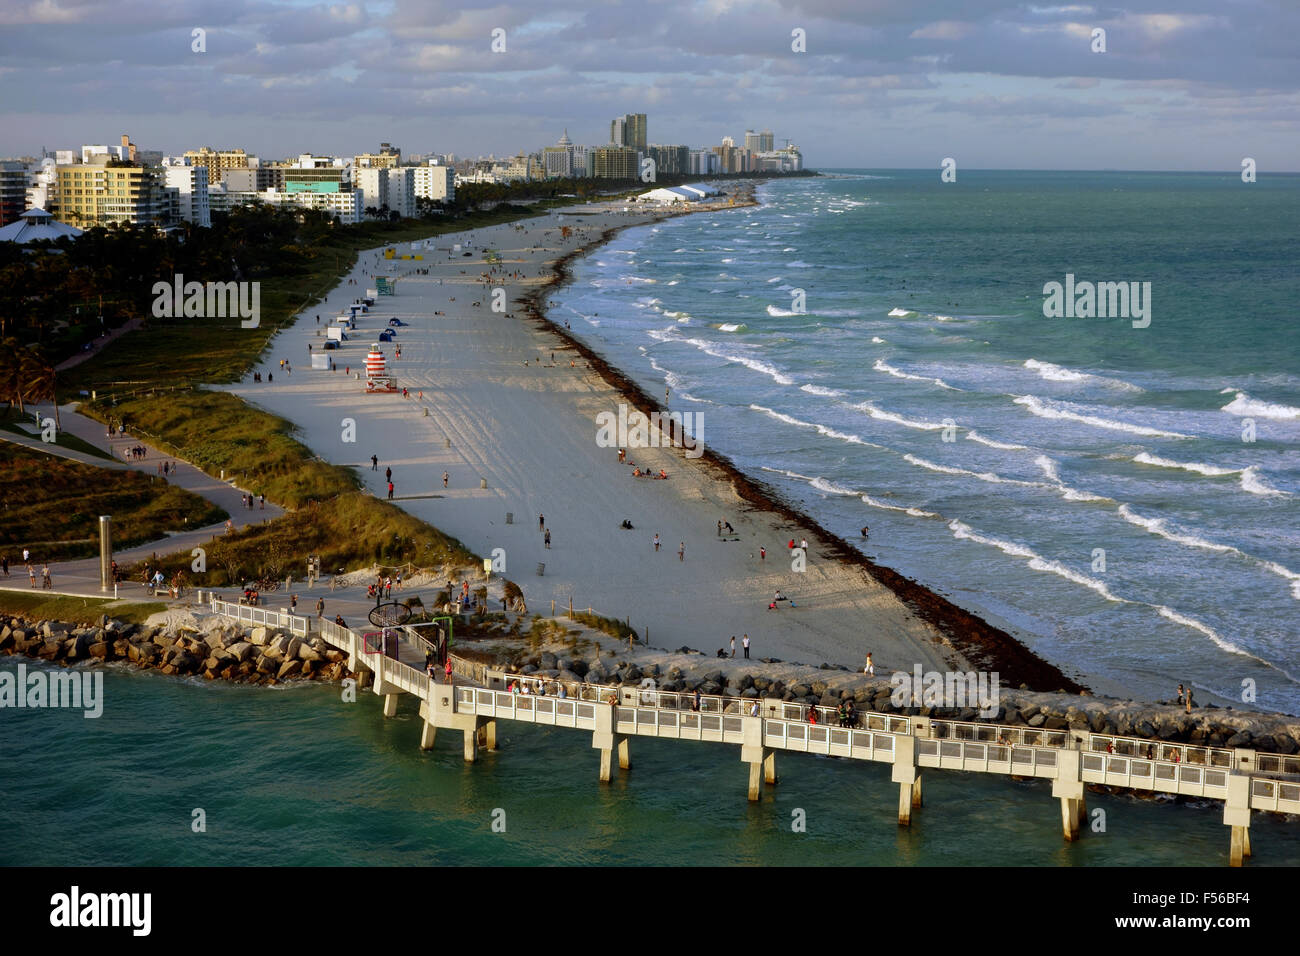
{"x": 51, "y": 505}
{"x": 73, "y": 610}
{"x": 350, "y": 531}
{"x": 9, "y": 421}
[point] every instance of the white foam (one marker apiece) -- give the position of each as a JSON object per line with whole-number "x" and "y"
{"x": 1157, "y": 526}
{"x": 1005, "y": 446}
{"x": 1244, "y": 405}
{"x": 1213, "y": 471}
{"x": 1251, "y": 482}
{"x": 981, "y": 475}
{"x": 897, "y": 313}
{"x": 821, "y": 484}
{"x": 882, "y": 366}
{"x": 777, "y": 313}
{"x": 730, "y": 327}
{"x": 1043, "y": 409}
{"x": 774, "y": 279}
{"x": 881, "y": 415}
{"x": 821, "y": 429}
{"x": 1058, "y": 373}
{"x": 877, "y": 340}
{"x": 710, "y": 349}
{"x": 819, "y": 390}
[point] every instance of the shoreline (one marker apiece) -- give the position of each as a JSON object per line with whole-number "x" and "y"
{"x": 982, "y": 644}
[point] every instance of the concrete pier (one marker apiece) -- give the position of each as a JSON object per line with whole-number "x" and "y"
{"x": 604, "y": 739}
{"x": 1236, "y": 814}
{"x": 905, "y": 774}
{"x": 1068, "y": 787}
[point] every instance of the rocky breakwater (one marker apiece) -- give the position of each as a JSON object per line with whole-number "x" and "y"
{"x": 257, "y": 655}
{"x": 827, "y": 685}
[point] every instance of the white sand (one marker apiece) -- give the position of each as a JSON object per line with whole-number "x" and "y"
{"x": 530, "y": 432}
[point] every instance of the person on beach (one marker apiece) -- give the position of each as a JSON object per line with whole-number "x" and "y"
{"x": 261, "y": 502}
{"x": 870, "y": 668}
{"x": 31, "y": 575}
{"x": 733, "y": 646}
{"x": 541, "y": 522}
{"x": 374, "y": 463}
{"x": 388, "y": 474}
{"x": 320, "y": 607}
{"x": 681, "y": 551}
{"x": 762, "y": 554}
{"x": 656, "y": 542}
{"x": 1180, "y": 695}
{"x": 547, "y": 539}
{"x": 4, "y": 565}
{"x": 745, "y": 645}
{"x": 864, "y": 531}
{"x": 445, "y": 476}
{"x": 390, "y": 490}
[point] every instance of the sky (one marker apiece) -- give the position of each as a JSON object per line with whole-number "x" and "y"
{"x": 1180, "y": 84}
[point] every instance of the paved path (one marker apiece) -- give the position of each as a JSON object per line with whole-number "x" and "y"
{"x": 83, "y": 576}
{"x": 98, "y": 345}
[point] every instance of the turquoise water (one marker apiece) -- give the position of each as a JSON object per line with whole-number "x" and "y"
{"x": 1087, "y": 484}
{"x": 298, "y": 777}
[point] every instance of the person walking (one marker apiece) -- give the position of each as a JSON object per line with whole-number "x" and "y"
{"x": 46, "y": 583}
{"x": 27, "y": 556}
{"x": 870, "y": 668}
{"x": 762, "y": 554}
{"x": 656, "y": 542}
{"x": 374, "y": 462}
{"x": 541, "y": 522}
{"x": 261, "y": 499}
{"x": 388, "y": 474}
{"x": 445, "y": 476}
{"x": 390, "y": 490}
{"x": 681, "y": 551}
{"x": 320, "y": 607}
{"x": 745, "y": 644}
{"x": 733, "y": 645}
{"x": 293, "y": 603}
{"x": 31, "y": 575}
{"x": 547, "y": 539}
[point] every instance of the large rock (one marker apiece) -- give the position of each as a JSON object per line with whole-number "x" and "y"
{"x": 54, "y": 630}
{"x": 241, "y": 651}
{"x": 1241, "y": 738}
{"x": 307, "y": 653}
{"x": 102, "y": 650}
{"x": 288, "y": 669}
{"x": 258, "y": 636}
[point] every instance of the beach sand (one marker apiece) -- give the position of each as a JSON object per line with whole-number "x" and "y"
{"x": 500, "y": 411}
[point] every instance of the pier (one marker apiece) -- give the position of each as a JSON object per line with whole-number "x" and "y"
{"x": 392, "y": 662}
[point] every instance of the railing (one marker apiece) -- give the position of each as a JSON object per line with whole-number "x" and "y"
{"x": 1160, "y": 750}
{"x": 1277, "y": 795}
{"x": 1276, "y": 764}
{"x": 1141, "y": 773}
{"x": 262, "y": 616}
{"x": 993, "y": 757}
{"x": 1004, "y": 734}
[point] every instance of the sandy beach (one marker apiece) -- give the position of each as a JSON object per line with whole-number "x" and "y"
{"x": 508, "y": 410}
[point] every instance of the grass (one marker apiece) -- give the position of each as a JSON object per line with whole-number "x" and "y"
{"x": 38, "y": 606}
{"x": 10, "y": 419}
{"x": 51, "y": 505}
{"x": 218, "y": 431}
{"x": 606, "y": 625}
{"x": 352, "y": 529}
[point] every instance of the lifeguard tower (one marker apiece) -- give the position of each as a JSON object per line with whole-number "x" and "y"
{"x": 377, "y": 377}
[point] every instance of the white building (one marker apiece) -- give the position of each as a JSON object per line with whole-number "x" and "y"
{"x": 401, "y": 191}
{"x": 344, "y": 205}
{"x": 191, "y": 186}
{"x": 434, "y": 182}
{"x": 705, "y": 162}
{"x": 43, "y": 184}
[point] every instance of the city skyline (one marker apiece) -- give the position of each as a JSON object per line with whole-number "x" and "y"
{"x": 890, "y": 84}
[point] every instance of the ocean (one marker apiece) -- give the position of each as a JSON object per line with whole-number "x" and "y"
{"x": 1118, "y": 492}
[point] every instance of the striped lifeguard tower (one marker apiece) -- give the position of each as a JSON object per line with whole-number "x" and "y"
{"x": 377, "y": 377}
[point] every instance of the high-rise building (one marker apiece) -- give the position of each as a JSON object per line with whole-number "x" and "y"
{"x": 557, "y": 160}
{"x": 435, "y": 182}
{"x": 671, "y": 160}
{"x": 387, "y": 157}
{"x": 629, "y": 130}
{"x": 13, "y": 191}
{"x": 217, "y": 160}
{"x": 766, "y": 142}
{"x": 314, "y": 173}
{"x": 615, "y": 162}
{"x": 191, "y": 186}
{"x": 753, "y": 140}
{"x": 110, "y": 190}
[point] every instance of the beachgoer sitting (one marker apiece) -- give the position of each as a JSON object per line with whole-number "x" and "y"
{"x": 636, "y": 473}
{"x": 663, "y": 474}
{"x": 771, "y": 606}
{"x": 779, "y": 595}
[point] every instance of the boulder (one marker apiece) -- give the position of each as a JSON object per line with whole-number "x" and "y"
{"x": 1037, "y": 720}
{"x": 1144, "y": 728}
{"x": 335, "y": 656}
{"x": 1285, "y": 743}
{"x": 288, "y": 669}
{"x": 1056, "y": 722}
{"x": 307, "y": 653}
{"x": 819, "y": 688}
{"x": 75, "y": 647}
{"x": 101, "y": 650}
{"x": 800, "y": 690}
{"x": 1241, "y": 738}
{"x": 631, "y": 673}
{"x": 547, "y": 661}
{"x": 258, "y": 636}
{"x": 267, "y": 665}
{"x": 579, "y": 667}
{"x": 241, "y": 651}
{"x": 54, "y": 630}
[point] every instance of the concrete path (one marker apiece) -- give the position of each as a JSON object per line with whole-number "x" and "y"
{"x": 98, "y": 345}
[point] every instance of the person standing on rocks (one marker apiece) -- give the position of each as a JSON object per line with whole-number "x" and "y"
{"x": 733, "y": 645}
{"x": 870, "y": 669}
{"x": 745, "y": 643}
{"x": 388, "y": 474}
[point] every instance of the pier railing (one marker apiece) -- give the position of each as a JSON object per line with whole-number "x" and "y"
{"x": 264, "y": 616}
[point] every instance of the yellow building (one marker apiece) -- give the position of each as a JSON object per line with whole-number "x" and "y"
{"x": 105, "y": 191}
{"x": 217, "y": 160}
